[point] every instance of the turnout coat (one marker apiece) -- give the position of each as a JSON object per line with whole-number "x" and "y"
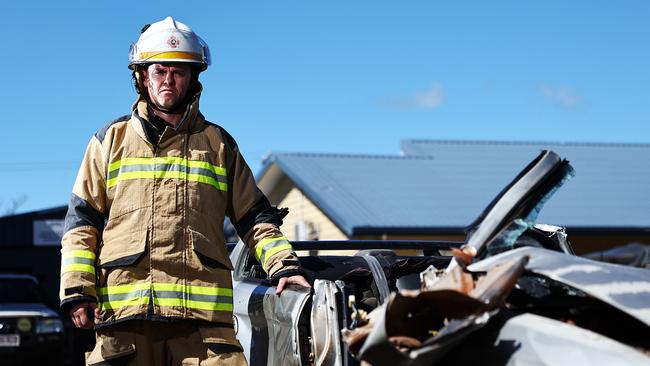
{"x": 144, "y": 229}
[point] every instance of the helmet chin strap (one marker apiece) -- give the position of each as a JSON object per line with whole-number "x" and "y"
{"x": 177, "y": 108}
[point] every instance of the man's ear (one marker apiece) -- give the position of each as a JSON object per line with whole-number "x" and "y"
{"x": 144, "y": 74}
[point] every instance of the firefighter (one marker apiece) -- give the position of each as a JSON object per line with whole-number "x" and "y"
{"x": 143, "y": 255}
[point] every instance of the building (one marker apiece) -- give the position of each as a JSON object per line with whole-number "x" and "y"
{"x": 30, "y": 243}
{"x": 435, "y": 188}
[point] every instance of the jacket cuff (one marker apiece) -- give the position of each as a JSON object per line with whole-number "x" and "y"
{"x": 69, "y": 303}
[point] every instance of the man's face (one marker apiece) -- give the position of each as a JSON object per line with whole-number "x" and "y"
{"x": 167, "y": 83}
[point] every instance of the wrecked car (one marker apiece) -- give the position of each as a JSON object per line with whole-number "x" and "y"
{"x": 512, "y": 293}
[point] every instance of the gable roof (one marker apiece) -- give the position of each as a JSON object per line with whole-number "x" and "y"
{"x": 441, "y": 186}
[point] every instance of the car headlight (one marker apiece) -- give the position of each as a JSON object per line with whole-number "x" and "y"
{"x": 49, "y": 325}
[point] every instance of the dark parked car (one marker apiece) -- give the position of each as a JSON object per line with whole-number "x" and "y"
{"x": 512, "y": 294}
{"x": 30, "y": 332}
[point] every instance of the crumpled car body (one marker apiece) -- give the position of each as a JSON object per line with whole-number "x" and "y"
{"x": 512, "y": 294}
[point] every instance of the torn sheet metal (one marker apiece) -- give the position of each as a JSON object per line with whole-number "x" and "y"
{"x": 558, "y": 235}
{"x": 377, "y": 349}
{"x": 496, "y": 285}
{"x": 384, "y": 347}
{"x": 282, "y": 315}
{"x": 625, "y": 288}
{"x": 456, "y": 280}
{"x": 326, "y": 340}
{"x": 420, "y": 328}
{"x": 544, "y": 341}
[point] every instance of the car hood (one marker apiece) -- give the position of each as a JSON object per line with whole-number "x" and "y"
{"x": 30, "y": 310}
{"x": 626, "y": 288}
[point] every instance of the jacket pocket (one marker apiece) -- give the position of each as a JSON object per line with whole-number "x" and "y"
{"x": 220, "y": 339}
{"x": 122, "y": 250}
{"x": 111, "y": 345}
{"x": 210, "y": 254}
{"x": 223, "y": 347}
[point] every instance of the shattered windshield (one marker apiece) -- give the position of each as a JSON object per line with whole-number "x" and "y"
{"x": 505, "y": 240}
{"x": 516, "y": 208}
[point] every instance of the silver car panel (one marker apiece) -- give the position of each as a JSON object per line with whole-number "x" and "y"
{"x": 543, "y": 341}
{"x": 626, "y": 288}
{"x": 325, "y": 335}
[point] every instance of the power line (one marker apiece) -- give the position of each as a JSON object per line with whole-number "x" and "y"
{"x": 38, "y": 166}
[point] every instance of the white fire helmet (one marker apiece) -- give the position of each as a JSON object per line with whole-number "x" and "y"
{"x": 169, "y": 41}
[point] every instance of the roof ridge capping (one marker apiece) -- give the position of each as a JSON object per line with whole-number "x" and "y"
{"x": 273, "y": 155}
{"x": 505, "y": 142}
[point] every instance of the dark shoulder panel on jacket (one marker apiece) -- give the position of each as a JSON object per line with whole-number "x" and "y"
{"x": 229, "y": 139}
{"x": 101, "y": 134}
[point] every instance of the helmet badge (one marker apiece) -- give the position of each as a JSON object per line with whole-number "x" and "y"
{"x": 173, "y": 42}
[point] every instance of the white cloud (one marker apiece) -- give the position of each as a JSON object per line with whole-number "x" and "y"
{"x": 429, "y": 98}
{"x": 563, "y": 96}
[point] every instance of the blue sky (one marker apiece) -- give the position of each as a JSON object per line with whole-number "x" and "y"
{"x": 328, "y": 76}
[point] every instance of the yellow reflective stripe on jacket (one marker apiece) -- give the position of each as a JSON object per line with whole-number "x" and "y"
{"x": 199, "y": 290}
{"x": 167, "y": 167}
{"x": 266, "y": 248}
{"x": 132, "y": 301}
{"x": 78, "y": 261}
{"x": 167, "y": 294}
{"x": 115, "y": 297}
{"x": 168, "y": 160}
{"x": 123, "y": 289}
{"x": 198, "y": 305}
{"x": 80, "y": 254}
{"x": 167, "y": 174}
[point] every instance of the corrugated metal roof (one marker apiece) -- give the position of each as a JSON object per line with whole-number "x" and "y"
{"x": 447, "y": 184}
{"x": 610, "y": 189}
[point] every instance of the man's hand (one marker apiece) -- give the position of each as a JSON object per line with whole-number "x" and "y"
{"x": 81, "y": 315}
{"x": 293, "y": 280}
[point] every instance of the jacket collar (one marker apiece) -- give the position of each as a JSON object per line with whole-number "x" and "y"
{"x": 192, "y": 122}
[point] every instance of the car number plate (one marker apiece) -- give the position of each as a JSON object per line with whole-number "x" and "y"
{"x": 9, "y": 340}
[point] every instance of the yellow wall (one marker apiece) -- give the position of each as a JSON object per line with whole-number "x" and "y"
{"x": 301, "y": 208}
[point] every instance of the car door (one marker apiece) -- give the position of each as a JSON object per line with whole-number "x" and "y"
{"x": 267, "y": 325}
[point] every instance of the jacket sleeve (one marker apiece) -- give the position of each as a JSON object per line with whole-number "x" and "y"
{"x": 84, "y": 223}
{"x": 257, "y": 222}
